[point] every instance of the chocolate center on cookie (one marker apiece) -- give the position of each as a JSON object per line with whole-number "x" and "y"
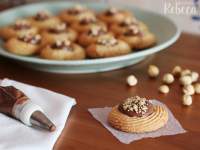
{"x": 128, "y": 22}
{"x": 32, "y": 39}
{"x": 22, "y": 25}
{"x": 58, "y": 29}
{"x": 63, "y": 45}
{"x": 41, "y": 16}
{"x": 136, "y": 107}
{"x": 96, "y": 31}
{"x": 132, "y": 30}
{"x": 87, "y": 21}
{"x": 76, "y": 10}
{"x": 111, "y": 12}
{"x": 107, "y": 41}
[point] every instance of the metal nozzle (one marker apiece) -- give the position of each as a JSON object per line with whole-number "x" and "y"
{"x": 39, "y": 119}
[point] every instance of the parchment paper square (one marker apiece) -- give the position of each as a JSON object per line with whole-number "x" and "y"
{"x": 171, "y": 128}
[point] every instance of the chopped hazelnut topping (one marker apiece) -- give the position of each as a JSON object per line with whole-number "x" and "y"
{"x": 107, "y": 40}
{"x": 65, "y": 45}
{"x": 42, "y": 15}
{"x": 129, "y": 21}
{"x": 111, "y": 11}
{"x": 58, "y": 28}
{"x": 139, "y": 106}
{"x": 32, "y": 39}
{"x": 21, "y": 24}
{"x": 132, "y": 30}
{"x": 96, "y": 30}
{"x": 87, "y": 20}
{"x": 77, "y": 9}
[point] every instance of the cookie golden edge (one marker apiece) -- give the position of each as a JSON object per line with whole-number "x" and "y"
{"x": 8, "y": 32}
{"x": 150, "y": 123}
{"x": 49, "y": 38}
{"x": 18, "y": 47}
{"x": 77, "y": 54}
{"x": 102, "y": 51}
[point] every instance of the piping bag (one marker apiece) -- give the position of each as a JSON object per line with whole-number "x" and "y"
{"x": 16, "y": 104}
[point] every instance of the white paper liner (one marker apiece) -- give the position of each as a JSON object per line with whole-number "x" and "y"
{"x": 171, "y": 128}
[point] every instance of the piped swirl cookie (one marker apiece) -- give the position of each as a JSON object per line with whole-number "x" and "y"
{"x": 121, "y": 27}
{"x": 137, "y": 115}
{"x": 86, "y": 23}
{"x": 75, "y": 14}
{"x": 136, "y": 38}
{"x": 92, "y": 35}
{"x": 63, "y": 50}
{"x": 43, "y": 20}
{"x": 107, "y": 46}
{"x": 19, "y": 28}
{"x": 58, "y": 32}
{"x": 25, "y": 45}
{"x": 114, "y": 15}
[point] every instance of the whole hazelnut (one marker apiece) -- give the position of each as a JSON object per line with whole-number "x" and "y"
{"x": 188, "y": 90}
{"x": 185, "y": 72}
{"x": 164, "y": 89}
{"x": 185, "y": 80}
{"x": 177, "y": 71}
{"x": 131, "y": 80}
{"x": 153, "y": 71}
{"x": 187, "y": 100}
{"x": 197, "y": 88}
{"x": 168, "y": 78}
{"x": 194, "y": 76}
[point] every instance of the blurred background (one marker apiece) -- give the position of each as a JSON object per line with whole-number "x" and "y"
{"x": 185, "y": 13}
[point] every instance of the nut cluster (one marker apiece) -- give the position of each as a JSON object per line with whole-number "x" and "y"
{"x": 107, "y": 40}
{"x": 129, "y": 21}
{"x": 65, "y": 44}
{"x": 96, "y": 30}
{"x": 32, "y": 39}
{"x": 132, "y": 30}
{"x": 186, "y": 79}
{"x": 42, "y": 15}
{"x": 111, "y": 11}
{"x": 22, "y": 24}
{"x": 136, "y": 104}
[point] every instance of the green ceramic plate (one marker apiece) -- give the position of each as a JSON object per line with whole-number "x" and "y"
{"x": 164, "y": 29}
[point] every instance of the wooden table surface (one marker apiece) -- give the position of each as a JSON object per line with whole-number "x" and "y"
{"x": 83, "y": 132}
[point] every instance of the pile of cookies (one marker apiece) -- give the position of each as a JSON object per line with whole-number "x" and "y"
{"x": 77, "y": 33}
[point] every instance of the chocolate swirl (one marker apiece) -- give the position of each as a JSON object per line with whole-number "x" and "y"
{"x": 136, "y": 107}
